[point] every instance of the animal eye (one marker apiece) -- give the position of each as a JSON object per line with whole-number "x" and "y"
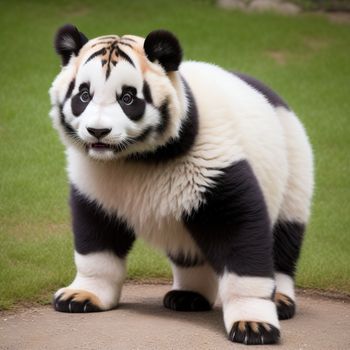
{"x": 85, "y": 96}
{"x": 128, "y": 98}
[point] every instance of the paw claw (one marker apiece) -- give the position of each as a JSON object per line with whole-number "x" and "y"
{"x": 285, "y": 306}
{"x": 254, "y": 333}
{"x": 76, "y": 301}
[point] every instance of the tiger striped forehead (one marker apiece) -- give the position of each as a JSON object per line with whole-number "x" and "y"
{"x": 111, "y": 100}
{"x": 111, "y": 49}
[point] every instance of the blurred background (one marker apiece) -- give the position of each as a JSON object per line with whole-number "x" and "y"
{"x": 303, "y": 54}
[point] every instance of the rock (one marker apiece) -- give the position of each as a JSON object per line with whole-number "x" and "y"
{"x": 278, "y": 6}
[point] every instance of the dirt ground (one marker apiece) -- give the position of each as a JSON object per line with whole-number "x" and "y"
{"x": 141, "y": 322}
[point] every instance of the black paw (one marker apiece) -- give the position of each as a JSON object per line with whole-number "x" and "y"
{"x": 181, "y": 300}
{"x": 76, "y": 301}
{"x": 285, "y": 306}
{"x": 254, "y": 333}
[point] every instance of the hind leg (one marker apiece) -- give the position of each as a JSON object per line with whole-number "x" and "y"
{"x": 232, "y": 229}
{"x": 288, "y": 239}
{"x": 194, "y": 288}
{"x": 294, "y": 213}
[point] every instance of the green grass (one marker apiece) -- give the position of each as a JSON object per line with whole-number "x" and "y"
{"x": 305, "y": 58}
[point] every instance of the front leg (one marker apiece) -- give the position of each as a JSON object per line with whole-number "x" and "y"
{"x": 233, "y": 230}
{"x": 97, "y": 285}
{"x": 101, "y": 245}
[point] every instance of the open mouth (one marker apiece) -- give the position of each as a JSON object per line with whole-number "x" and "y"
{"x": 99, "y": 146}
{"x": 102, "y": 147}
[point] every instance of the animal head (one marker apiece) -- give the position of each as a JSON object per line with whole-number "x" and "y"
{"x": 117, "y": 95}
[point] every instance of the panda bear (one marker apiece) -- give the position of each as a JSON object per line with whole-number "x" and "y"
{"x": 210, "y": 166}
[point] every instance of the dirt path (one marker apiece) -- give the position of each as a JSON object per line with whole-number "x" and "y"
{"x": 142, "y": 323}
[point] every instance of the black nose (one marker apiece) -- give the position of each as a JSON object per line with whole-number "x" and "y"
{"x": 98, "y": 133}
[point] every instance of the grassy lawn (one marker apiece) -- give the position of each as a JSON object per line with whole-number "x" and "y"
{"x": 305, "y": 58}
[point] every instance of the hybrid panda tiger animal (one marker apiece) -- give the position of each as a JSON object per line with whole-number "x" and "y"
{"x": 210, "y": 166}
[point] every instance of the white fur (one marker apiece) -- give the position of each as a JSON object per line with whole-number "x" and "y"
{"x": 247, "y": 125}
{"x": 250, "y": 309}
{"x": 143, "y": 198}
{"x": 201, "y": 279}
{"x": 298, "y": 194}
{"x": 236, "y": 122}
{"x": 102, "y": 274}
{"x": 247, "y": 299}
{"x": 285, "y": 285}
{"x": 232, "y": 285}
{"x": 153, "y": 197}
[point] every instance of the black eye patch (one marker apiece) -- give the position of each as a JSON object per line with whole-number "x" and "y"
{"x": 132, "y": 106}
{"x": 81, "y": 100}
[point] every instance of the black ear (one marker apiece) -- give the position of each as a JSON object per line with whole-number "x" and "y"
{"x": 163, "y": 46}
{"x": 69, "y": 41}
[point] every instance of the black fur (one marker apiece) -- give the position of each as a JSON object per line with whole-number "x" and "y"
{"x": 164, "y": 121}
{"x": 78, "y": 107}
{"x": 67, "y": 128}
{"x": 182, "y": 300}
{"x": 111, "y": 50}
{"x": 249, "y": 337}
{"x": 124, "y": 55}
{"x": 232, "y": 226}
{"x": 164, "y": 47}
{"x": 125, "y": 44}
{"x": 271, "y": 96}
{"x": 285, "y": 310}
{"x": 181, "y": 145}
{"x": 70, "y": 90}
{"x": 102, "y": 42}
{"x": 128, "y": 39}
{"x": 288, "y": 237}
{"x": 78, "y": 38}
{"x": 141, "y": 137}
{"x": 185, "y": 261}
{"x": 69, "y": 305}
{"x": 94, "y": 230}
{"x": 136, "y": 109}
{"x": 147, "y": 92}
{"x": 95, "y": 54}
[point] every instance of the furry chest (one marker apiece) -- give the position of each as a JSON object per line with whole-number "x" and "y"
{"x": 151, "y": 200}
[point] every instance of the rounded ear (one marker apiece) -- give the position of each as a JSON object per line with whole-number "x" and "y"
{"x": 163, "y": 46}
{"x": 69, "y": 41}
